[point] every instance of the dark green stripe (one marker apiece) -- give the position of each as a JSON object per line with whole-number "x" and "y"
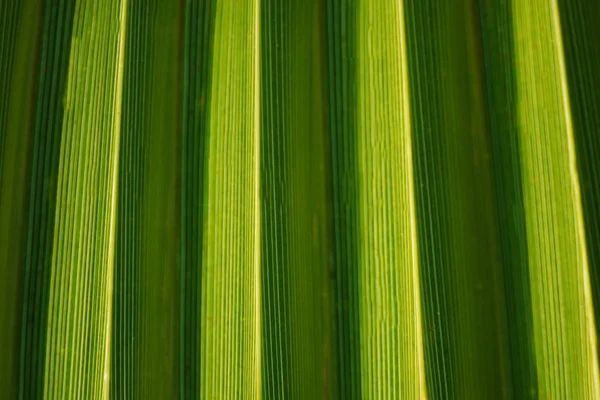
{"x": 55, "y": 50}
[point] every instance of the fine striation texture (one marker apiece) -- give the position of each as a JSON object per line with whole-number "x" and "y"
{"x": 580, "y": 30}
{"x": 230, "y": 315}
{"x": 64, "y": 140}
{"x": 20, "y": 34}
{"x": 542, "y": 221}
{"x": 390, "y": 338}
{"x": 463, "y": 325}
{"x": 80, "y": 276}
{"x": 296, "y": 304}
{"x": 335, "y": 199}
{"x": 344, "y": 177}
{"x": 145, "y": 350}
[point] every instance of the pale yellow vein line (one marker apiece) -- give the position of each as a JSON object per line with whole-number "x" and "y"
{"x": 118, "y": 101}
{"x": 257, "y": 221}
{"x": 576, "y": 193}
{"x": 411, "y": 188}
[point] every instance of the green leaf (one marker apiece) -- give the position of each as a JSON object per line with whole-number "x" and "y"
{"x": 230, "y": 311}
{"x": 542, "y": 221}
{"x": 299, "y": 199}
{"x": 67, "y": 267}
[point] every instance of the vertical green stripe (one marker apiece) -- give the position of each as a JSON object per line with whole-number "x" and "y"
{"x": 147, "y": 320}
{"x": 229, "y": 262}
{"x": 20, "y": 33}
{"x": 463, "y": 326}
{"x": 343, "y": 147}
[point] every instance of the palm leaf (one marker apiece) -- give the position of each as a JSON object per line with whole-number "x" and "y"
{"x": 299, "y": 199}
